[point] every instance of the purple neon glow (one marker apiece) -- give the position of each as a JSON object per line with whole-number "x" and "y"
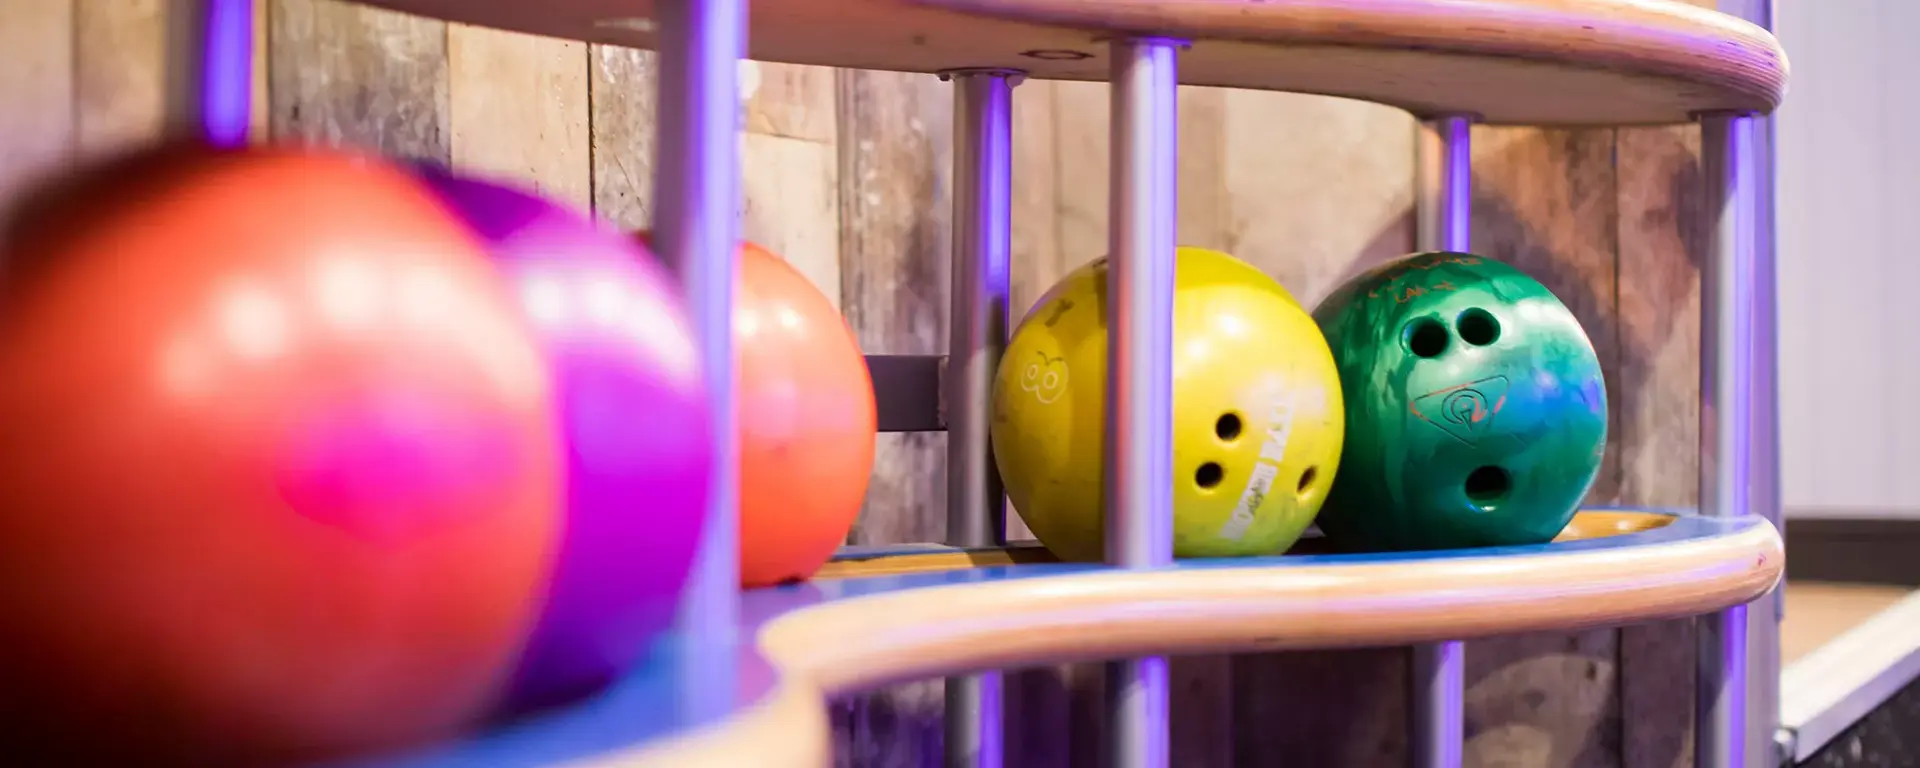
{"x": 631, "y": 402}
{"x": 696, "y": 229}
{"x": 225, "y": 76}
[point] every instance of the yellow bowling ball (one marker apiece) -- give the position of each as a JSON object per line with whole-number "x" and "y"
{"x": 1257, "y": 415}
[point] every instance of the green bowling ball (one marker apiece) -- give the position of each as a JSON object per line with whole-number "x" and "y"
{"x": 1476, "y": 412}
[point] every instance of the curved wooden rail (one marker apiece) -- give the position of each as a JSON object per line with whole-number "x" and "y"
{"x": 1533, "y": 62}
{"x": 860, "y": 633}
{"x": 837, "y": 635}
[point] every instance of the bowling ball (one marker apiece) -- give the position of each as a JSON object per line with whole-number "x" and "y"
{"x": 629, "y": 401}
{"x": 1256, "y": 412}
{"x": 807, "y": 421}
{"x": 1476, "y": 414}
{"x": 278, "y": 478}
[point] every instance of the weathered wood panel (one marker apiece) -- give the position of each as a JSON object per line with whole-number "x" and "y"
{"x": 791, "y": 178}
{"x": 1320, "y": 188}
{"x": 1659, "y": 321}
{"x": 789, "y": 186}
{"x": 791, "y": 101}
{"x": 896, "y": 150}
{"x": 350, "y": 75}
{"x": 517, "y": 110}
{"x": 260, "y": 127}
{"x": 85, "y": 78}
{"x": 37, "y": 83}
{"x": 621, "y": 83}
{"x": 119, "y": 77}
{"x": 1546, "y": 699}
{"x": 1659, "y": 317}
{"x": 1326, "y": 709}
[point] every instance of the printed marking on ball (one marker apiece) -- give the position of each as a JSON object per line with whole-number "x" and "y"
{"x": 1058, "y": 310}
{"x": 1393, "y": 277}
{"x": 1463, "y": 411}
{"x": 1046, "y": 379}
{"x": 1273, "y": 452}
{"x": 1280, "y": 420}
{"x": 1258, "y": 485}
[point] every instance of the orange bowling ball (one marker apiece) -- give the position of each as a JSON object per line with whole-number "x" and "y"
{"x": 807, "y": 421}
{"x": 278, "y": 479}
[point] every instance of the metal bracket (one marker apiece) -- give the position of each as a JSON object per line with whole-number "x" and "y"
{"x": 909, "y": 392}
{"x": 1014, "y": 76}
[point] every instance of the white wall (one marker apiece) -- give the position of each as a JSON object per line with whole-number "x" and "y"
{"x": 1849, "y": 248}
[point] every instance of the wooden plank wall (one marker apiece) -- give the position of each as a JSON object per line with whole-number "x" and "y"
{"x": 847, "y": 175}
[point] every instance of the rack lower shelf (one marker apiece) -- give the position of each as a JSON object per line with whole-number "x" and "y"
{"x": 1514, "y": 62}
{"x": 931, "y": 614}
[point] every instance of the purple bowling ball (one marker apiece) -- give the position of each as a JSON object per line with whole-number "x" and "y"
{"x": 629, "y": 397}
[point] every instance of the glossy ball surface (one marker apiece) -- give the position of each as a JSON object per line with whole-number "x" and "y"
{"x": 630, "y": 405}
{"x": 807, "y": 420}
{"x": 1476, "y": 411}
{"x": 278, "y": 477}
{"x": 1257, "y": 427}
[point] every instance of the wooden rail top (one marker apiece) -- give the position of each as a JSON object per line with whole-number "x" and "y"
{"x": 929, "y": 614}
{"x": 1526, "y": 62}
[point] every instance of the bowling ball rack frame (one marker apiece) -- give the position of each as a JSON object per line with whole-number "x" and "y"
{"x": 743, "y": 681}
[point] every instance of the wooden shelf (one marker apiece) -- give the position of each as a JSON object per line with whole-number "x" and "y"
{"x": 932, "y": 613}
{"x": 1529, "y": 62}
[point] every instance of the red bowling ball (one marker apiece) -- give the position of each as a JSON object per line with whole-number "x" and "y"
{"x": 278, "y": 479}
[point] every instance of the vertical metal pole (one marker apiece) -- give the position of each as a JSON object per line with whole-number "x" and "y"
{"x": 982, "y": 242}
{"x": 1765, "y": 614}
{"x": 1727, "y": 291}
{"x": 1444, "y": 208}
{"x": 697, "y": 194}
{"x": 1443, "y": 202}
{"x": 210, "y": 69}
{"x": 1139, "y": 399}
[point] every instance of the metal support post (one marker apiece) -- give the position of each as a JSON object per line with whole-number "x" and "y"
{"x": 1727, "y": 292}
{"x": 697, "y": 186}
{"x": 1443, "y": 195}
{"x": 982, "y": 242}
{"x": 1138, "y": 461}
{"x": 209, "y": 73}
{"x": 1764, "y": 615}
